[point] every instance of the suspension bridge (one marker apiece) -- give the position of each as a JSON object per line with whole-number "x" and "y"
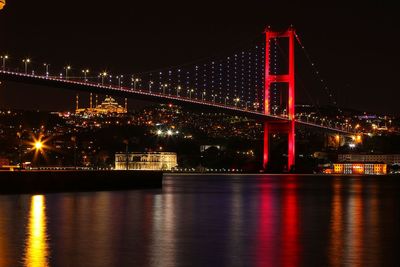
{"x": 258, "y": 82}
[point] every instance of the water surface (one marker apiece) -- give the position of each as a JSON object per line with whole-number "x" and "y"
{"x": 222, "y": 220}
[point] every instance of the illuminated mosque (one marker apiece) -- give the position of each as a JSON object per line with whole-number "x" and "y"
{"x": 108, "y": 106}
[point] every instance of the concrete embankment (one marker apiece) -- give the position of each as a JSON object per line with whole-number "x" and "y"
{"x": 66, "y": 181}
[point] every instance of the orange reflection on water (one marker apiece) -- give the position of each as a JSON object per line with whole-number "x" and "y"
{"x": 354, "y": 227}
{"x": 36, "y": 247}
{"x": 336, "y": 225}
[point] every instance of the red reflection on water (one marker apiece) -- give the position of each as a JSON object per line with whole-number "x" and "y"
{"x": 278, "y": 227}
{"x": 290, "y": 244}
{"x": 266, "y": 254}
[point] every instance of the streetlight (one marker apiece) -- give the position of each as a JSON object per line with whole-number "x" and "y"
{"x": 150, "y": 84}
{"x": 119, "y": 80}
{"x": 110, "y": 81}
{"x": 190, "y": 93}
{"x": 4, "y": 61}
{"x": 256, "y": 105}
{"x": 163, "y": 86}
{"x": 202, "y": 96}
{"x": 226, "y": 98}
{"x": 102, "y": 75}
{"x": 85, "y": 73}
{"x": 67, "y": 68}
{"x": 135, "y": 81}
{"x": 213, "y": 96}
{"x": 26, "y": 61}
{"x": 47, "y": 69}
{"x": 177, "y": 90}
{"x": 236, "y": 101}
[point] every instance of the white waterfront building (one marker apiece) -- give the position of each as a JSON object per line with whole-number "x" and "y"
{"x": 165, "y": 161}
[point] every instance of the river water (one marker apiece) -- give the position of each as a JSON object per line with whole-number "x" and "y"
{"x": 220, "y": 220}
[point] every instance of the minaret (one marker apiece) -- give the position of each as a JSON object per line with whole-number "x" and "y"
{"x": 91, "y": 101}
{"x": 77, "y": 102}
{"x": 126, "y": 105}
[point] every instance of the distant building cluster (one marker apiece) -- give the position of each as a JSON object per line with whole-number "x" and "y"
{"x": 348, "y": 120}
{"x": 213, "y": 124}
{"x": 382, "y": 158}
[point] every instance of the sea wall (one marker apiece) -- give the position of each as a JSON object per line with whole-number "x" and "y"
{"x": 65, "y": 181}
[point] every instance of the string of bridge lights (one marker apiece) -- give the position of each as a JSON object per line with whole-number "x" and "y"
{"x": 237, "y": 79}
{"x": 227, "y": 80}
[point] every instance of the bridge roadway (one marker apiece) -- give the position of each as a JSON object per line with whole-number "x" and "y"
{"x": 148, "y": 96}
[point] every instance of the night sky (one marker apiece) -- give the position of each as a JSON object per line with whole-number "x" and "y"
{"x": 355, "y": 47}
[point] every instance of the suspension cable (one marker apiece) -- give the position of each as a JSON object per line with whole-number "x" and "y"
{"x": 317, "y": 73}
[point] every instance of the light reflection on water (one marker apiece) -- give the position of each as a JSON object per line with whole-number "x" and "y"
{"x": 37, "y": 250}
{"x": 209, "y": 221}
{"x": 336, "y": 225}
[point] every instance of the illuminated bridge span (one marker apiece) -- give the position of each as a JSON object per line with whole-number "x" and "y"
{"x": 258, "y": 82}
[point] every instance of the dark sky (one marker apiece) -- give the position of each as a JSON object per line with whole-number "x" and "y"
{"x": 356, "y": 47}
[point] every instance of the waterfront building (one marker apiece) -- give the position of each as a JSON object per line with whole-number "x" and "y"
{"x": 165, "y": 161}
{"x": 359, "y": 168}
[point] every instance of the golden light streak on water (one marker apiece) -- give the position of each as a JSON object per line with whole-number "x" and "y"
{"x": 36, "y": 247}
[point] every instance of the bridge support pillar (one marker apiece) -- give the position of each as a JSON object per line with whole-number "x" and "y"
{"x": 280, "y": 127}
{"x": 266, "y": 145}
{"x": 291, "y": 145}
{"x": 286, "y": 126}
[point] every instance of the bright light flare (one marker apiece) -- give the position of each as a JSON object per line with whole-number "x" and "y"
{"x": 38, "y": 145}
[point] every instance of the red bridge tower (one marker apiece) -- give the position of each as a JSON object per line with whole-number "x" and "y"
{"x": 288, "y": 127}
